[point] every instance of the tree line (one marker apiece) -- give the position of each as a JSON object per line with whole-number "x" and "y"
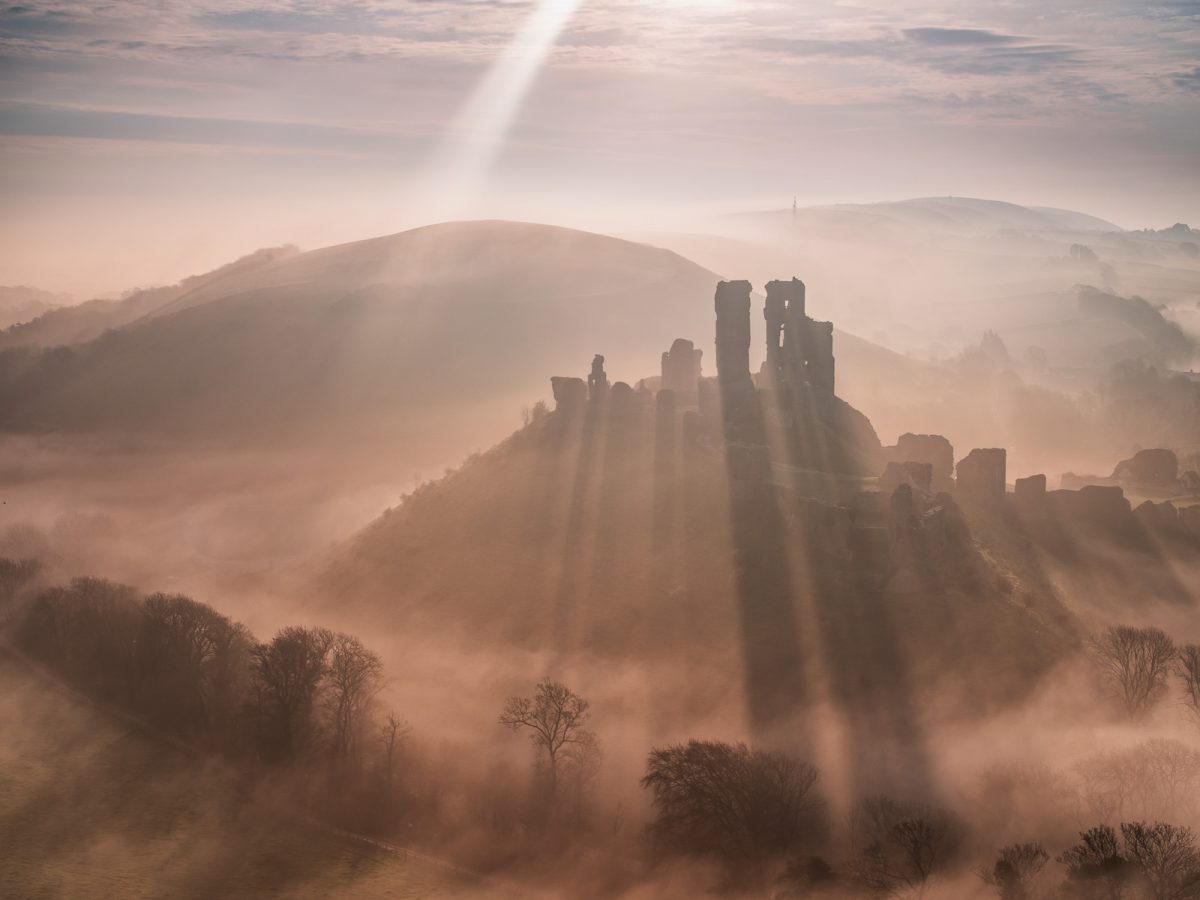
{"x": 303, "y": 699}
{"x": 306, "y": 701}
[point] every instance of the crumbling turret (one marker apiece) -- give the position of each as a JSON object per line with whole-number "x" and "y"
{"x": 597, "y": 380}
{"x": 733, "y": 333}
{"x": 681, "y": 368}
{"x": 799, "y": 350}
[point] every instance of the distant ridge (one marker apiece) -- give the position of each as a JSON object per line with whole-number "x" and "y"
{"x": 962, "y": 213}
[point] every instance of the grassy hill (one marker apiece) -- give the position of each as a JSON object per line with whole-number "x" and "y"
{"x": 93, "y": 807}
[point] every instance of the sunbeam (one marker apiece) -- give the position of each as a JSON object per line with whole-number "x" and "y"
{"x": 472, "y": 142}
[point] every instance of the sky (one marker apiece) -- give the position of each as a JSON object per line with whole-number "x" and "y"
{"x": 143, "y": 141}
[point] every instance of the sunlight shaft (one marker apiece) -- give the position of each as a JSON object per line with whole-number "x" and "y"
{"x": 480, "y": 129}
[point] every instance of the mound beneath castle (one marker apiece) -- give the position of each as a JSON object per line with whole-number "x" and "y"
{"x": 729, "y": 524}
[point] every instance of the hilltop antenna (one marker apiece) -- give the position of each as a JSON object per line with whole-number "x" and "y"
{"x": 794, "y": 199}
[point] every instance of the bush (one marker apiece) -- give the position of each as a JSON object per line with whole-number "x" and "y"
{"x": 730, "y": 802}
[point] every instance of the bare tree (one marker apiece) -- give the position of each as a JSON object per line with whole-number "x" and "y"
{"x": 228, "y": 682}
{"x": 1015, "y": 870}
{"x": 177, "y": 652}
{"x": 1156, "y": 779}
{"x": 732, "y": 802}
{"x": 89, "y": 632}
{"x": 901, "y": 846}
{"x": 1096, "y": 869}
{"x": 1134, "y": 664}
{"x": 581, "y": 764}
{"x": 394, "y": 732}
{"x": 17, "y": 575}
{"x": 353, "y": 677}
{"x": 1187, "y": 668}
{"x": 1166, "y": 857}
{"x": 555, "y": 717}
{"x": 287, "y": 673}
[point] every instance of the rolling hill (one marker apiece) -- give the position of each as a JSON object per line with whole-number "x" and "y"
{"x": 386, "y": 332}
{"x": 22, "y": 304}
{"x": 76, "y": 324}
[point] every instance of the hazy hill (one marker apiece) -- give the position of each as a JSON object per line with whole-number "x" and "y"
{"x": 86, "y": 321}
{"x": 444, "y": 320}
{"x": 968, "y": 213}
{"x": 22, "y": 303}
{"x": 955, "y": 214}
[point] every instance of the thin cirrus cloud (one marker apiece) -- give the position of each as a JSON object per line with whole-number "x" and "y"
{"x": 958, "y": 37}
{"x": 99, "y": 124}
{"x": 951, "y": 51}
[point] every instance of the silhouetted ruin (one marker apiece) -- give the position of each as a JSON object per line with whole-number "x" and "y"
{"x": 681, "y": 368}
{"x": 799, "y": 350}
{"x": 981, "y": 475}
{"x": 926, "y": 448}
{"x": 570, "y": 394}
{"x": 597, "y": 380}
{"x": 1157, "y": 467}
{"x": 797, "y": 456}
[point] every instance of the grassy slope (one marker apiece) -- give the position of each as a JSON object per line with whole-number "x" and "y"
{"x": 90, "y": 807}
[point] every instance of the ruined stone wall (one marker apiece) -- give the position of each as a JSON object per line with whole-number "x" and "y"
{"x": 818, "y": 356}
{"x": 982, "y": 475}
{"x": 799, "y": 350}
{"x": 925, "y": 448}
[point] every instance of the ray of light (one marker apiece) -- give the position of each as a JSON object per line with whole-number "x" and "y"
{"x": 478, "y": 133}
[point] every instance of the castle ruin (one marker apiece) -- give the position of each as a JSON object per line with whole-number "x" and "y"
{"x": 788, "y": 439}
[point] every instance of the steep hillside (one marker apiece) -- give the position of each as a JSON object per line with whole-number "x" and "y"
{"x": 606, "y": 542}
{"x": 92, "y": 807}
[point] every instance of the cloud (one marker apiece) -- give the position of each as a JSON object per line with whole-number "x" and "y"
{"x": 1022, "y": 59}
{"x": 955, "y": 51}
{"x": 958, "y": 37}
{"x": 1189, "y": 81}
{"x": 37, "y": 120}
